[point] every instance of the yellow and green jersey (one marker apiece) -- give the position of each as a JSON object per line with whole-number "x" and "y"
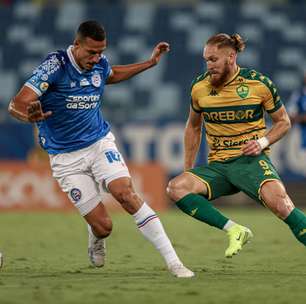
{"x": 234, "y": 113}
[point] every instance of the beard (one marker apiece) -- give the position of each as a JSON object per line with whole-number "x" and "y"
{"x": 222, "y": 77}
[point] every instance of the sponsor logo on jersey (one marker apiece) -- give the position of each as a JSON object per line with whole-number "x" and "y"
{"x": 76, "y": 194}
{"x": 96, "y": 80}
{"x": 229, "y": 115}
{"x": 82, "y": 102}
{"x": 229, "y": 143}
{"x": 44, "y": 86}
{"x": 84, "y": 82}
{"x": 213, "y": 92}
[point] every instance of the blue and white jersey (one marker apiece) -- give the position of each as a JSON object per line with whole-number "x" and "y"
{"x": 297, "y": 105}
{"x": 74, "y": 97}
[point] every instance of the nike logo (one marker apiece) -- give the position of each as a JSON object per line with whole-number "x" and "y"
{"x": 193, "y": 212}
{"x": 239, "y": 237}
{"x": 302, "y": 232}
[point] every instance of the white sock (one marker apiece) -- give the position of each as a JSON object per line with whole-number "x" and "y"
{"x": 229, "y": 224}
{"x": 150, "y": 226}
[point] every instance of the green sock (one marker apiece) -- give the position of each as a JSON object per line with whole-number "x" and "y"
{"x": 297, "y": 223}
{"x": 201, "y": 209}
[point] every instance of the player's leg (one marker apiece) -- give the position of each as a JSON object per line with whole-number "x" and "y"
{"x": 148, "y": 223}
{"x": 99, "y": 227}
{"x": 71, "y": 172}
{"x": 1, "y": 259}
{"x": 84, "y": 193}
{"x": 109, "y": 168}
{"x": 275, "y": 197}
{"x": 257, "y": 177}
{"x": 189, "y": 192}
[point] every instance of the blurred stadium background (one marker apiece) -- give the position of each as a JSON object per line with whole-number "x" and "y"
{"x": 147, "y": 113}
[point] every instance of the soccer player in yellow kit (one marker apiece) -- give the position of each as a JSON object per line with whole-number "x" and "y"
{"x": 231, "y": 102}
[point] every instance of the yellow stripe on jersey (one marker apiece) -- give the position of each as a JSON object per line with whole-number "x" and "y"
{"x": 234, "y": 114}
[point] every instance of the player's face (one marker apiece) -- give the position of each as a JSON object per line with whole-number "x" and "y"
{"x": 219, "y": 62}
{"x": 88, "y": 52}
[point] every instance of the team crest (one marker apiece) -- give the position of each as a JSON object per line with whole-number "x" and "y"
{"x": 96, "y": 80}
{"x": 76, "y": 194}
{"x": 242, "y": 91}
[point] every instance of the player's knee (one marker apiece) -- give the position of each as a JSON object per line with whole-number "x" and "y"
{"x": 102, "y": 228}
{"x": 277, "y": 201}
{"x": 176, "y": 190}
{"x": 128, "y": 198}
{"x": 279, "y": 208}
{"x": 125, "y": 194}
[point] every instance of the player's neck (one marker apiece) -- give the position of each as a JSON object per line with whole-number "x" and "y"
{"x": 233, "y": 71}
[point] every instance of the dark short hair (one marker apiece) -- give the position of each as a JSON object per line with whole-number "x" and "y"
{"x": 91, "y": 29}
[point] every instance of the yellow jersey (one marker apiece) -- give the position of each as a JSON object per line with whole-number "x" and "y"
{"x": 234, "y": 113}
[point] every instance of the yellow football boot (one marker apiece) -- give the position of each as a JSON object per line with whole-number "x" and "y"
{"x": 238, "y": 236}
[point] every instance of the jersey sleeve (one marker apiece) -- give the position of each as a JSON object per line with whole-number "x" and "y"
{"x": 193, "y": 99}
{"x": 194, "y": 104}
{"x": 45, "y": 74}
{"x": 272, "y": 101}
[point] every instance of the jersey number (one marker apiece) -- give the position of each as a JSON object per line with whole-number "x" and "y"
{"x": 265, "y": 166}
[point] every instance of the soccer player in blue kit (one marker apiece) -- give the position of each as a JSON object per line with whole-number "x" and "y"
{"x": 63, "y": 98}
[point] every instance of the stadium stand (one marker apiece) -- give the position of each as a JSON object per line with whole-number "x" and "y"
{"x": 275, "y": 33}
{"x": 276, "y": 45}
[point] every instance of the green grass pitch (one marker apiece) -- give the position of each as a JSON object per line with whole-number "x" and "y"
{"x": 46, "y": 262}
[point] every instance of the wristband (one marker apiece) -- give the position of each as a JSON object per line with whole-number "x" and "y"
{"x": 263, "y": 142}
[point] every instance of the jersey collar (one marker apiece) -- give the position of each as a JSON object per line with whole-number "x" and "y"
{"x": 72, "y": 60}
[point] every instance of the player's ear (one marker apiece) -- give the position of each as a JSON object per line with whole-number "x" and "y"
{"x": 232, "y": 57}
{"x": 76, "y": 42}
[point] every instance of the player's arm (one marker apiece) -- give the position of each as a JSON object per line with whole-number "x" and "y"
{"x": 281, "y": 125}
{"x": 124, "y": 72}
{"x": 298, "y": 118}
{"x": 26, "y": 107}
{"x": 192, "y": 138}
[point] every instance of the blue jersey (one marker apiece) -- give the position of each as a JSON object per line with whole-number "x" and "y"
{"x": 298, "y": 106}
{"x": 74, "y": 97}
{"x": 301, "y": 105}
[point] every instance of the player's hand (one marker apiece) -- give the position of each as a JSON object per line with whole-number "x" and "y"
{"x": 35, "y": 112}
{"x": 251, "y": 148}
{"x": 160, "y": 48}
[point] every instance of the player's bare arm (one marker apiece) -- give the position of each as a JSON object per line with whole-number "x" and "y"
{"x": 192, "y": 138}
{"x": 26, "y": 107}
{"x": 298, "y": 119}
{"x": 124, "y": 72}
{"x": 281, "y": 125}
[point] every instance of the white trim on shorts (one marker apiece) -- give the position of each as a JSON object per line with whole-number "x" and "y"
{"x": 88, "y": 206}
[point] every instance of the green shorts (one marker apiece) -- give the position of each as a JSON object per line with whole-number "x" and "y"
{"x": 243, "y": 173}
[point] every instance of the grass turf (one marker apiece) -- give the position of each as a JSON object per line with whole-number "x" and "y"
{"x": 46, "y": 262}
